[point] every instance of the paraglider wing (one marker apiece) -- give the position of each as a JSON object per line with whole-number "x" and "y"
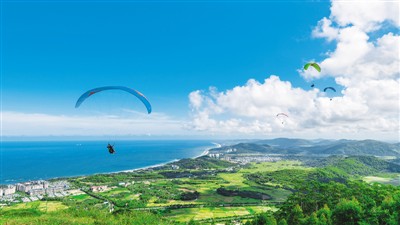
{"x": 281, "y": 117}
{"x": 331, "y": 88}
{"x": 282, "y": 114}
{"x": 315, "y": 65}
{"x": 91, "y": 92}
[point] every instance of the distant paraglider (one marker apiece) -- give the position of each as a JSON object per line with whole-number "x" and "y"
{"x": 316, "y": 67}
{"x": 282, "y": 117}
{"x": 313, "y": 64}
{"x": 329, "y": 88}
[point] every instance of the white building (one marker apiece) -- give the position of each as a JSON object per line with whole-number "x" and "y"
{"x": 175, "y": 167}
{"x": 98, "y": 188}
{"x": 34, "y": 192}
{"x": 9, "y": 190}
{"x": 27, "y": 186}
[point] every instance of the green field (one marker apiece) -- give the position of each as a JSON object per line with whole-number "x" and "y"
{"x": 184, "y": 215}
{"x": 383, "y": 180}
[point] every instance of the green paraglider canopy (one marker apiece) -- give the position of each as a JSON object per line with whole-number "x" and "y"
{"x": 313, "y": 64}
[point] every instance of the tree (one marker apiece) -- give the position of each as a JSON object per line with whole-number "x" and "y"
{"x": 312, "y": 219}
{"x": 296, "y": 215}
{"x": 324, "y": 215}
{"x": 264, "y": 219}
{"x": 347, "y": 212}
{"x": 282, "y": 222}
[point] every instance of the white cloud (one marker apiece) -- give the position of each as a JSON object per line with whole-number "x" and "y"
{"x": 35, "y": 124}
{"x": 367, "y": 15}
{"x": 325, "y": 30}
{"x": 367, "y": 68}
{"x": 196, "y": 100}
{"x": 251, "y": 110}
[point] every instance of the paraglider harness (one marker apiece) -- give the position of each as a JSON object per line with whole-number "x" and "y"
{"x": 110, "y": 148}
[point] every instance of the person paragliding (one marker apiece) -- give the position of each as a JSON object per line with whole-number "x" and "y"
{"x": 329, "y": 88}
{"x": 110, "y": 148}
{"x": 316, "y": 67}
{"x": 282, "y": 117}
{"x": 91, "y": 92}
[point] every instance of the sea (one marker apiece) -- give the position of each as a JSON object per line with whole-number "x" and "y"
{"x": 35, "y": 160}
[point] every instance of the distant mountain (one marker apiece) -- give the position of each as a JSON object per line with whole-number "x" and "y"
{"x": 286, "y": 142}
{"x": 247, "y": 148}
{"x": 365, "y": 147}
{"x": 253, "y": 148}
{"x": 314, "y": 147}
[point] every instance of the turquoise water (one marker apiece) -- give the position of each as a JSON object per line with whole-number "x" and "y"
{"x": 23, "y": 161}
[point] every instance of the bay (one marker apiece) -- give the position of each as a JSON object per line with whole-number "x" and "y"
{"x": 34, "y": 160}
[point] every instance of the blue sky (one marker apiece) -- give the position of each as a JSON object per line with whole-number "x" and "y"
{"x": 54, "y": 51}
{"x": 174, "y": 51}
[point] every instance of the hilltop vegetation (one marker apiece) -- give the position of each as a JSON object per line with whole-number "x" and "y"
{"x": 356, "y": 165}
{"x": 336, "y": 203}
{"x": 74, "y": 216}
{"x": 333, "y": 168}
{"x": 203, "y": 162}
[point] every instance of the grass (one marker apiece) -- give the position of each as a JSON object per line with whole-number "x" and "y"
{"x": 80, "y": 197}
{"x": 40, "y": 205}
{"x": 383, "y": 180}
{"x": 234, "y": 179}
{"x": 76, "y": 217}
{"x": 184, "y": 215}
{"x": 273, "y": 166}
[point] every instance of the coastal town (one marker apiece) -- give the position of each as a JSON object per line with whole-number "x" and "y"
{"x": 35, "y": 190}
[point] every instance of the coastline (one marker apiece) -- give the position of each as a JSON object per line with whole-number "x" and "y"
{"x": 205, "y": 152}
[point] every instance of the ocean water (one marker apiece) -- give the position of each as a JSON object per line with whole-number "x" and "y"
{"x": 33, "y": 160}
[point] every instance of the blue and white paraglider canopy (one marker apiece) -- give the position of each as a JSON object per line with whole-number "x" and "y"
{"x": 91, "y": 92}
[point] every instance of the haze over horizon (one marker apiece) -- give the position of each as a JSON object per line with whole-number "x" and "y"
{"x": 210, "y": 70}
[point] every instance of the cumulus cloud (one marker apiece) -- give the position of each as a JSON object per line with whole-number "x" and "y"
{"x": 366, "y": 65}
{"x": 367, "y": 15}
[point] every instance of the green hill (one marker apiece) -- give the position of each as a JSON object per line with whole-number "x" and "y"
{"x": 357, "y": 165}
{"x": 365, "y": 147}
{"x": 203, "y": 162}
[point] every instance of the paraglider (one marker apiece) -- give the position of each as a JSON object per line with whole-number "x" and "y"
{"x": 282, "y": 117}
{"x": 313, "y": 64}
{"x": 91, "y": 92}
{"x": 110, "y": 148}
{"x": 329, "y": 88}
